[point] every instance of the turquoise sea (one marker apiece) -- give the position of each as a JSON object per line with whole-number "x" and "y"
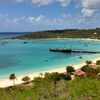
{"x": 34, "y": 55}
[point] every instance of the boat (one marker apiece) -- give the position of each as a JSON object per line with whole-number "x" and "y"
{"x": 80, "y": 57}
{"x": 25, "y": 42}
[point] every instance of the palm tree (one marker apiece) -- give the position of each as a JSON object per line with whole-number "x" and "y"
{"x": 26, "y": 79}
{"x": 13, "y": 77}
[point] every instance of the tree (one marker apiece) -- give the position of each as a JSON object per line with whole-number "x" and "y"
{"x": 88, "y": 62}
{"x": 70, "y": 69}
{"x": 13, "y": 77}
{"x": 98, "y": 62}
{"x": 89, "y": 69}
{"x": 26, "y": 79}
{"x": 84, "y": 68}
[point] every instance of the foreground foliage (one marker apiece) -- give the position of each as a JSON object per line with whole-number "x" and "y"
{"x": 82, "y": 88}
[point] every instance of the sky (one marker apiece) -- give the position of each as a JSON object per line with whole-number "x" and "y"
{"x": 38, "y": 15}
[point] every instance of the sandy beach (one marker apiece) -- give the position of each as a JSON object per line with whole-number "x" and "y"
{"x": 63, "y": 38}
{"x": 7, "y": 82}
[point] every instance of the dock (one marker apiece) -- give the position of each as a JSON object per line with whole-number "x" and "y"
{"x": 67, "y": 50}
{"x": 60, "y": 50}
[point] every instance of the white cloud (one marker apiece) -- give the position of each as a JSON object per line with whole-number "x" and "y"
{"x": 41, "y": 2}
{"x": 89, "y": 7}
{"x": 87, "y": 12}
{"x": 91, "y": 4}
{"x": 30, "y": 19}
{"x": 22, "y": 23}
{"x": 64, "y": 3}
{"x": 40, "y": 18}
{"x": 41, "y": 22}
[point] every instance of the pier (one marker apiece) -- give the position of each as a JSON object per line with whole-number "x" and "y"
{"x": 73, "y": 50}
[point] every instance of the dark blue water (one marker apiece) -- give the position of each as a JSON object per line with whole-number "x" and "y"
{"x": 4, "y": 35}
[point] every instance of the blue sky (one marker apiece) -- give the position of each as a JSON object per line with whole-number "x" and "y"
{"x": 36, "y": 15}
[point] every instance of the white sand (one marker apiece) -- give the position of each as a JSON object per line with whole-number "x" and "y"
{"x": 7, "y": 82}
{"x": 65, "y": 38}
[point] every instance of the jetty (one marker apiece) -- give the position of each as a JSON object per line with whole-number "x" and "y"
{"x": 67, "y": 50}
{"x": 60, "y": 50}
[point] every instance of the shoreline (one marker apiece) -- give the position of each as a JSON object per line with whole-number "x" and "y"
{"x": 58, "y": 39}
{"x": 6, "y": 82}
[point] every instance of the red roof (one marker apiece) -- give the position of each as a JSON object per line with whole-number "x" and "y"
{"x": 79, "y": 73}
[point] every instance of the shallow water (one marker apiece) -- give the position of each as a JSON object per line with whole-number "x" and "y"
{"x": 33, "y": 56}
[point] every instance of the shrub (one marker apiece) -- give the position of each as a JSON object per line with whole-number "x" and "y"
{"x": 70, "y": 69}
{"x": 52, "y": 76}
{"x": 57, "y": 76}
{"x": 98, "y": 62}
{"x": 88, "y": 62}
{"x": 38, "y": 81}
{"x": 26, "y": 79}
{"x": 68, "y": 77}
{"x": 92, "y": 75}
{"x": 87, "y": 69}
{"x": 84, "y": 68}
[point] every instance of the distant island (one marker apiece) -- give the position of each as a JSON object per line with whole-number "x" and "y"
{"x": 65, "y": 33}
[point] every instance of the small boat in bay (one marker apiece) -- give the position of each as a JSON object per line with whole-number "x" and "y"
{"x": 80, "y": 57}
{"x": 25, "y": 42}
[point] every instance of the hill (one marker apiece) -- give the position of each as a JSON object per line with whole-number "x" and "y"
{"x": 67, "y": 33}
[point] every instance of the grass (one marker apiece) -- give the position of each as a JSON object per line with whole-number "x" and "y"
{"x": 84, "y": 89}
{"x": 45, "y": 89}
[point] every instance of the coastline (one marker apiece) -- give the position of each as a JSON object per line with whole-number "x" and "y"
{"x": 7, "y": 82}
{"x": 59, "y": 39}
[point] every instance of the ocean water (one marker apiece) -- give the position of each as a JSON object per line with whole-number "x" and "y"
{"x": 34, "y": 56}
{"x": 4, "y": 35}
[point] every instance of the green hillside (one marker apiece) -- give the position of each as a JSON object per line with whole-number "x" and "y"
{"x": 44, "y": 89}
{"x": 67, "y": 33}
